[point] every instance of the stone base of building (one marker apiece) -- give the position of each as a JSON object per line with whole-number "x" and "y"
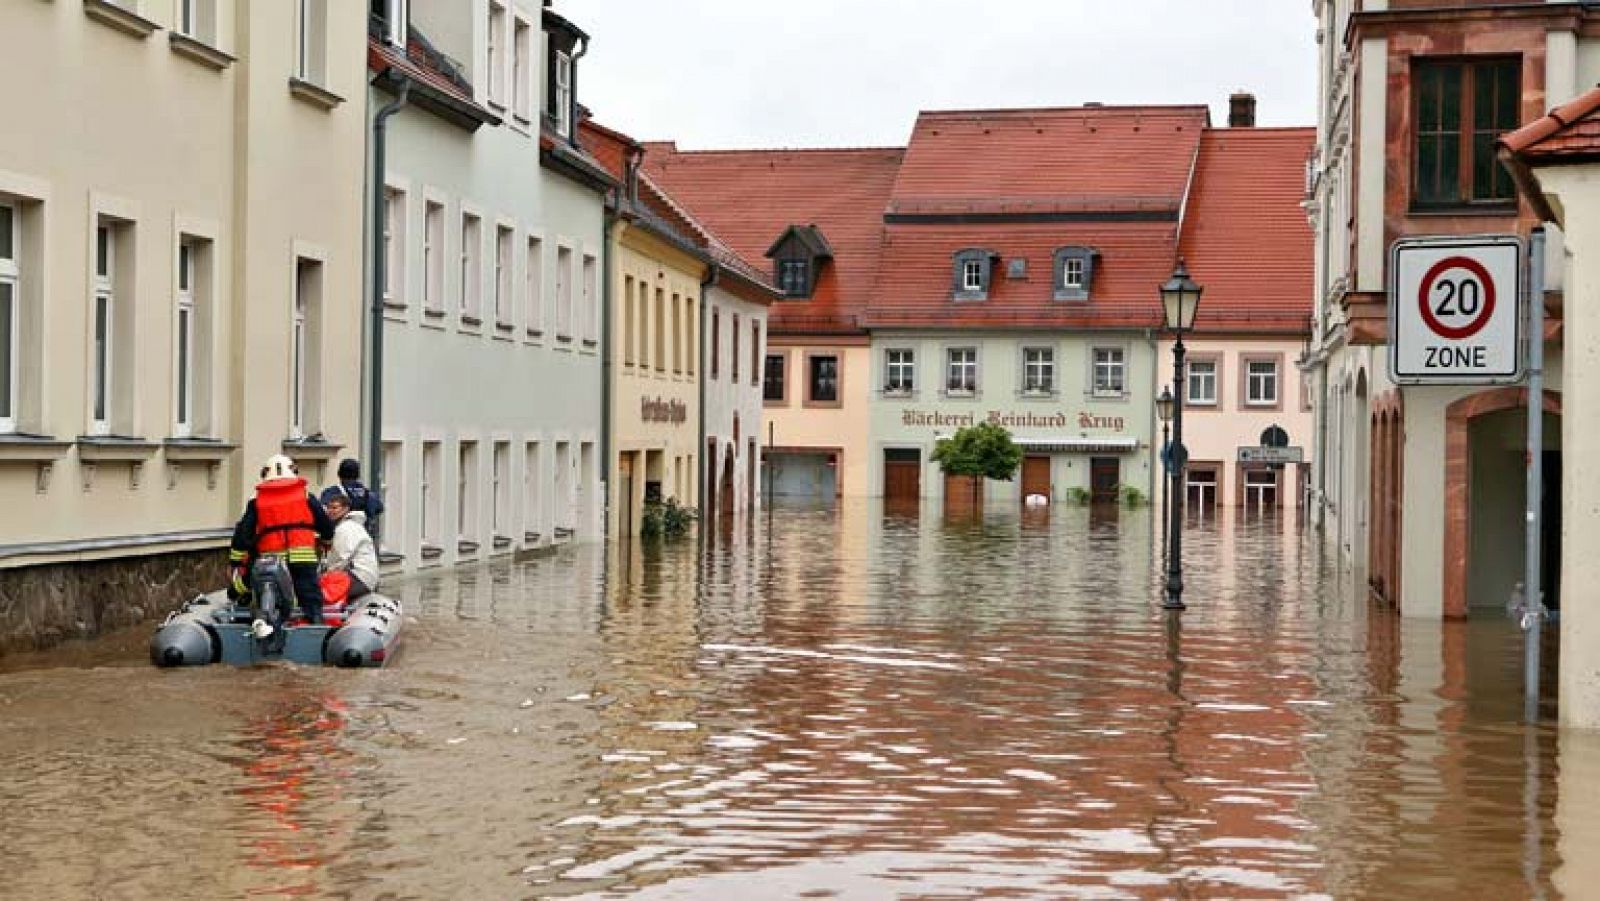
{"x": 42, "y": 606}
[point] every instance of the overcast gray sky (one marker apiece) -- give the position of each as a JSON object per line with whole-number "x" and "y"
{"x": 804, "y": 73}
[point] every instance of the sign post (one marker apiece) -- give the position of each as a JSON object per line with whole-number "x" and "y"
{"x": 1533, "y": 582}
{"x": 1454, "y": 318}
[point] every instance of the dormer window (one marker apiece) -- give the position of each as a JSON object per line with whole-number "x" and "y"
{"x": 567, "y": 44}
{"x": 1074, "y": 272}
{"x": 563, "y": 95}
{"x": 797, "y": 257}
{"x": 973, "y": 269}
{"x": 387, "y": 21}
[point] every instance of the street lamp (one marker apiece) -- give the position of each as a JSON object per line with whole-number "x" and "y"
{"x": 1164, "y": 413}
{"x": 1180, "y": 298}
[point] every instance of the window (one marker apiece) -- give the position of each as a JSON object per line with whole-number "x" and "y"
{"x": 1202, "y": 382}
{"x": 824, "y": 379}
{"x": 466, "y": 496}
{"x": 901, "y": 371}
{"x": 563, "y": 94}
{"x": 521, "y": 70}
{"x": 183, "y": 342}
{"x": 628, "y": 325}
{"x": 388, "y": 20}
{"x": 198, "y": 19}
{"x": 533, "y": 286}
{"x": 591, "y": 306}
{"x": 755, "y": 353}
{"x": 773, "y": 384}
{"x": 794, "y": 277}
{"x": 716, "y": 342}
{"x": 689, "y": 326}
{"x": 563, "y": 293}
{"x": 961, "y": 370}
{"x": 499, "y": 501}
{"x": 677, "y": 336}
{"x": 1074, "y": 272}
{"x": 394, "y": 247}
{"x": 311, "y": 23}
{"x": 1462, "y": 106}
{"x": 395, "y": 498}
{"x": 531, "y": 522}
{"x": 661, "y": 330}
{"x": 733, "y": 358}
{"x": 305, "y": 350}
{"x": 1038, "y": 370}
{"x": 971, "y": 276}
{"x": 105, "y": 272}
{"x": 495, "y": 54}
{"x": 972, "y": 270}
{"x": 10, "y": 316}
{"x": 1261, "y": 383}
{"x": 433, "y": 258}
{"x": 564, "y": 488}
{"x": 471, "y": 267}
{"x": 1110, "y": 371}
{"x": 503, "y": 236}
{"x": 432, "y": 477}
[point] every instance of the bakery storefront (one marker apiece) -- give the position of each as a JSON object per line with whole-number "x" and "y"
{"x": 1069, "y": 453}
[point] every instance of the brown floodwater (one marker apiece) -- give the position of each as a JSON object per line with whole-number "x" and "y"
{"x": 839, "y": 703}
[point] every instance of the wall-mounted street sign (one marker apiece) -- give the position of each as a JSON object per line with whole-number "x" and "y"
{"x": 1279, "y": 455}
{"x": 1455, "y": 310}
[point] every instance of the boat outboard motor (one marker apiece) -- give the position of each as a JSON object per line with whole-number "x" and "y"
{"x": 272, "y": 595}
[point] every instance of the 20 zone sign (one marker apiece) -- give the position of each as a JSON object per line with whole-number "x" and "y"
{"x": 1453, "y": 311}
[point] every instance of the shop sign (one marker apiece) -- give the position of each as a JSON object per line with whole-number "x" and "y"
{"x": 1279, "y": 455}
{"x": 656, "y": 409}
{"x": 1012, "y": 419}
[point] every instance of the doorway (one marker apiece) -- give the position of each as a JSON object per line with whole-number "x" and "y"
{"x": 729, "y": 500}
{"x": 1036, "y": 477}
{"x": 902, "y": 475}
{"x": 1497, "y": 509}
{"x": 1260, "y": 490}
{"x": 626, "y": 523}
{"x": 1105, "y": 475}
{"x": 1200, "y": 492}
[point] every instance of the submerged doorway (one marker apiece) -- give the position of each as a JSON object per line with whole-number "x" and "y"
{"x": 1105, "y": 477}
{"x": 1036, "y": 477}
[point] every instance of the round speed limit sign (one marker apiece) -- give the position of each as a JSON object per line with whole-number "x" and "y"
{"x": 1454, "y": 311}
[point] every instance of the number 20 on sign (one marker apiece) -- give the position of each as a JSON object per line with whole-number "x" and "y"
{"x": 1455, "y": 311}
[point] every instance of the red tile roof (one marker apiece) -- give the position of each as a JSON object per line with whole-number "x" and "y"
{"x": 1570, "y": 132}
{"x": 1048, "y": 160}
{"x": 1245, "y": 236}
{"x": 750, "y": 196}
{"x": 415, "y": 62}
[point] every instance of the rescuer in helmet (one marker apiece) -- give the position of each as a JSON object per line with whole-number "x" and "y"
{"x": 283, "y": 520}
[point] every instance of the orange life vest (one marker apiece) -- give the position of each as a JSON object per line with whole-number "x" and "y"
{"x": 283, "y": 517}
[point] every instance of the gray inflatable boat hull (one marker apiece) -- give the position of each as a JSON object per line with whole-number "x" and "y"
{"x": 213, "y": 629}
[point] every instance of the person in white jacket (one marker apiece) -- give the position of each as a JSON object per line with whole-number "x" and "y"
{"x": 352, "y": 551}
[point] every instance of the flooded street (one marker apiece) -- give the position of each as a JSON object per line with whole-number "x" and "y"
{"x": 845, "y": 704}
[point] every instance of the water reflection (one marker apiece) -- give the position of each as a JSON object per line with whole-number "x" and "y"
{"x": 849, "y": 701}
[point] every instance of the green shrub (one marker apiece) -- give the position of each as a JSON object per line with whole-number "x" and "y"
{"x": 668, "y": 519}
{"x": 1079, "y": 495}
{"x": 1131, "y": 496}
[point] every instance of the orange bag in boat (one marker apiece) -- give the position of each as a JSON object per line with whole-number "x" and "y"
{"x": 335, "y": 588}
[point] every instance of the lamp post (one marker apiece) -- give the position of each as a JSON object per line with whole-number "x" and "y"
{"x": 1180, "y": 298}
{"x": 1164, "y": 413}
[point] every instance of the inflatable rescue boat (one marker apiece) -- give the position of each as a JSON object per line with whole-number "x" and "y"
{"x": 214, "y": 629}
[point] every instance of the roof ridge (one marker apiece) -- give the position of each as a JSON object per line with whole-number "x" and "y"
{"x": 1172, "y": 108}
{"x": 776, "y": 150}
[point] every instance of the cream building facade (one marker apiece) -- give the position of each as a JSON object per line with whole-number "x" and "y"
{"x": 180, "y": 274}
{"x": 739, "y": 299}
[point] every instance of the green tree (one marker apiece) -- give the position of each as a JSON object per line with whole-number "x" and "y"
{"x": 982, "y": 451}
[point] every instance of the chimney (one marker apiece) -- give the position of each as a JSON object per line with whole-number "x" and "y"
{"x": 1241, "y": 110}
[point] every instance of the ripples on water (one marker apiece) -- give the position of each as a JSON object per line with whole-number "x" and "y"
{"x": 849, "y": 704}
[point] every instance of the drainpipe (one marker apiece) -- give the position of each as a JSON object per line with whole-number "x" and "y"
{"x": 572, "y": 114}
{"x": 380, "y": 262}
{"x": 712, "y": 273}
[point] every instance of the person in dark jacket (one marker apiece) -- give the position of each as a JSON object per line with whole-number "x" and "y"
{"x": 284, "y": 519}
{"x": 362, "y": 498}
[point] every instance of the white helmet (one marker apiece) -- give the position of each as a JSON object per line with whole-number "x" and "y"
{"x": 279, "y": 467}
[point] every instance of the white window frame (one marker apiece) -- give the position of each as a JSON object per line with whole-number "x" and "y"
{"x": 466, "y": 491}
{"x": 900, "y": 371}
{"x": 1038, "y": 370}
{"x": 496, "y": 59}
{"x": 11, "y": 279}
{"x": 564, "y": 258}
{"x": 183, "y": 343}
{"x": 955, "y": 367}
{"x": 972, "y": 275}
{"x": 471, "y": 259}
{"x": 310, "y": 59}
{"x": 522, "y": 68}
{"x": 1257, "y": 385}
{"x": 499, "y": 477}
{"x": 563, "y": 89}
{"x": 102, "y": 329}
{"x": 431, "y": 511}
{"x": 532, "y": 514}
{"x": 1192, "y": 378}
{"x": 187, "y": 19}
{"x": 397, "y": 19}
{"x": 505, "y": 237}
{"x": 590, "y": 267}
{"x": 1109, "y": 372}
{"x": 394, "y": 245}
{"x": 297, "y": 363}
{"x": 433, "y": 246}
{"x": 533, "y": 284}
{"x": 1072, "y": 272}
